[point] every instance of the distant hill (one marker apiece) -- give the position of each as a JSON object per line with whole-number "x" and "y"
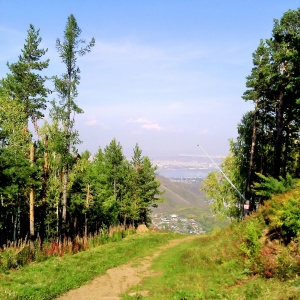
{"x": 179, "y": 195}
{"x": 186, "y": 200}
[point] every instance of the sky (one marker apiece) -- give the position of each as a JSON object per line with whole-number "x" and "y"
{"x": 167, "y": 75}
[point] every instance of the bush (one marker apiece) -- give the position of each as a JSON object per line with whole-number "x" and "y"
{"x": 269, "y": 186}
{"x": 8, "y": 260}
{"x": 279, "y": 255}
{"x": 252, "y": 233}
{"x": 282, "y": 214}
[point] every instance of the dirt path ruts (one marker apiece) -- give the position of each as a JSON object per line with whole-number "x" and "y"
{"x": 119, "y": 279}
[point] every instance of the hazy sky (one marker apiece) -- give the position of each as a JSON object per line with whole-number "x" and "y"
{"x": 165, "y": 74}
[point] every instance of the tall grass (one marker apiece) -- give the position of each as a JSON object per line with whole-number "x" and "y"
{"x": 14, "y": 255}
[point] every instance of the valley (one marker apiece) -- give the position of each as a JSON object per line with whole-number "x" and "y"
{"x": 185, "y": 208}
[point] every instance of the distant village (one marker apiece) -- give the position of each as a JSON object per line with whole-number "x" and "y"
{"x": 175, "y": 223}
{"x": 188, "y": 169}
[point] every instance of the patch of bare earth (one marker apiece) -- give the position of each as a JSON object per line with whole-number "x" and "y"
{"x": 118, "y": 280}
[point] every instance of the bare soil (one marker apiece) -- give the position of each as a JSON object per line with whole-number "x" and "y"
{"x": 120, "y": 279}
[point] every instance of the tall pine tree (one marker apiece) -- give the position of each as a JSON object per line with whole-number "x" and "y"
{"x": 26, "y": 86}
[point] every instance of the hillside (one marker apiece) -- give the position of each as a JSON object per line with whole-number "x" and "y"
{"x": 187, "y": 201}
{"x": 181, "y": 195}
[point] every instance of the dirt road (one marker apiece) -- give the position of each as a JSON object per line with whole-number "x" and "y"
{"x": 118, "y": 280}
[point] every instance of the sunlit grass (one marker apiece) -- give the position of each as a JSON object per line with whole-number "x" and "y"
{"x": 48, "y": 279}
{"x": 210, "y": 267}
{"x": 204, "y": 267}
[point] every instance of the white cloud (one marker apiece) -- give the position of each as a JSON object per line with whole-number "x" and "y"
{"x": 92, "y": 122}
{"x": 146, "y": 124}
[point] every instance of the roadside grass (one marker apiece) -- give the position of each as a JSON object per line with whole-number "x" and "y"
{"x": 14, "y": 255}
{"x": 55, "y": 276}
{"x": 210, "y": 267}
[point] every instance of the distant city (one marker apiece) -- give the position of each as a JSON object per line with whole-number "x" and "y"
{"x": 176, "y": 223}
{"x": 186, "y": 167}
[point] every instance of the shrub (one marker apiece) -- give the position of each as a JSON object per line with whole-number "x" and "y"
{"x": 18, "y": 254}
{"x": 269, "y": 186}
{"x": 8, "y": 260}
{"x": 282, "y": 214}
{"x": 252, "y": 233}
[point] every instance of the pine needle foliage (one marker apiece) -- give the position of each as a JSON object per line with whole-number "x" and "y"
{"x": 269, "y": 185}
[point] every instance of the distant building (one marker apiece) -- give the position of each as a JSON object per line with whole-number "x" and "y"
{"x": 174, "y": 217}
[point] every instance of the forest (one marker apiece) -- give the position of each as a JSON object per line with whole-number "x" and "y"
{"x": 49, "y": 191}
{"x": 265, "y": 157}
{"x": 52, "y": 194}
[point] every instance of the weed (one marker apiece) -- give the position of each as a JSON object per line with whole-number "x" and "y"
{"x": 19, "y": 254}
{"x": 187, "y": 295}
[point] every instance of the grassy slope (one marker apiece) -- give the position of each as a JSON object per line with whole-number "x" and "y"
{"x": 243, "y": 261}
{"x": 186, "y": 200}
{"x": 53, "y": 277}
{"x": 181, "y": 194}
{"x": 207, "y": 267}
{"x": 211, "y": 267}
{"x": 258, "y": 258}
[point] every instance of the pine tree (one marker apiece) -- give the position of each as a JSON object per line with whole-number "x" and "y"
{"x": 146, "y": 186}
{"x": 273, "y": 84}
{"x": 26, "y": 86}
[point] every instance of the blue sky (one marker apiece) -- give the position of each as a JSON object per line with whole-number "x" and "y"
{"x": 167, "y": 75}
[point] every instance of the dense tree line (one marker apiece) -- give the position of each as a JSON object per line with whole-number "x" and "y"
{"x": 268, "y": 143}
{"x": 47, "y": 189}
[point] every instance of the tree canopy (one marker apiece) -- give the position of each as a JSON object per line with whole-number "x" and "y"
{"x": 267, "y": 148}
{"x": 75, "y": 193}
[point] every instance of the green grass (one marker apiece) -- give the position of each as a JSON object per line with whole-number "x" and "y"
{"x": 216, "y": 266}
{"x": 55, "y": 276}
{"x": 210, "y": 267}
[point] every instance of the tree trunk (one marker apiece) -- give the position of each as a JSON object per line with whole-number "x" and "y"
{"x": 85, "y": 215}
{"x": 124, "y": 221}
{"x": 286, "y": 153}
{"x": 58, "y": 239}
{"x": 115, "y": 183}
{"x": 31, "y": 199}
{"x": 278, "y": 138}
{"x": 64, "y": 203}
{"x": 251, "y": 162}
{"x": 44, "y": 191}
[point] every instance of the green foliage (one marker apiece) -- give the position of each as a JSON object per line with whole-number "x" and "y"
{"x": 282, "y": 213}
{"x": 17, "y": 255}
{"x": 73, "y": 194}
{"x": 63, "y": 112}
{"x": 269, "y": 185}
{"x": 225, "y": 201}
{"x": 272, "y": 86}
{"x": 25, "y": 85}
{"x": 8, "y": 260}
{"x": 277, "y": 261}
{"x": 252, "y": 232}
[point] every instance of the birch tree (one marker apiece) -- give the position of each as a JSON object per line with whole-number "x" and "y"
{"x": 69, "y": 49}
